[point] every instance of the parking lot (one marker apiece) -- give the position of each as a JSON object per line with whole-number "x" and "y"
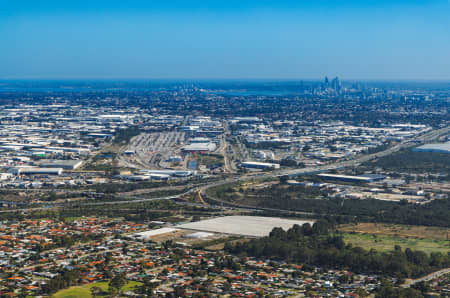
{"x": 152, "y": 150}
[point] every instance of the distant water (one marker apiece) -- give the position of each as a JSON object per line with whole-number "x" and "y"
{"x": 255, "y": 93}
{"x": 45, "y": 90}
{"x": 80, "y": 86}
{"x": 82, "y": 89}
{"x": 69, "y": 90}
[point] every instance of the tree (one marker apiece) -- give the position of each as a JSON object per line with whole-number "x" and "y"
{"x": 227, "y": 286}
{"x": 118, "y": 281}
{"x": 52, "y": 196}
{"x": 148, "y": 286}
{"x": 113, "y": 292}
{"x": 320, "y": 227}
{"x": 95, "y": 291}
{"x": 179, "y": 291}
{"x": 284, "y": 179}
{"x": 361, "y": 292}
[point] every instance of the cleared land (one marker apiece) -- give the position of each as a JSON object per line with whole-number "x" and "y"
{"x": 254, "y": 226}
{"x": 385, "y": 237}
{"x": 210, "y": 160}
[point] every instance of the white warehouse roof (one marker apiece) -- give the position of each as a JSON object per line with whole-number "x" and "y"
{"x": 36, "y": 171}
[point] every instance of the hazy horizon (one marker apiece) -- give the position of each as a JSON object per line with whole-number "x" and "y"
{"x": 237, "y": 40}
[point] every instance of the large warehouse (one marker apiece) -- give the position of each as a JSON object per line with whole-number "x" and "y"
{"x": 254, "y": 226}
{"x": 438, "y": 147}
{"x": 35, "y": 171}
{"x": 260, "y": 165}
{"x": 199, "y": 147}
{"x": 347, "y": 178}
{"x": 69, "y": 164}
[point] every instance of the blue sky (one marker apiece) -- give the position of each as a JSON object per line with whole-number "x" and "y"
{"x": 225, "y": 39}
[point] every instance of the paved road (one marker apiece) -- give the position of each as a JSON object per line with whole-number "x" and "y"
{"x": 428, "y": 277}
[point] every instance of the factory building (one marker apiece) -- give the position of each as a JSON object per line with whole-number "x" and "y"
{"x": 175, "y": 159}
{"x": 64, "y": 164}
{"x": 199, "y": 147}
{"x": 347, "y": 178}
{"x": 173, "y": 173}
{"x": 199, "y": 140}
{"x": 35, "y": 171}
{"x": 440, "y": 148}
{"x": 260, "y": 165}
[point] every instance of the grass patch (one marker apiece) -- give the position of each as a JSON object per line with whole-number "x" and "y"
{"x": 387, "y": 243}
{"x": 71, "y": 219}
{"x": 85, "y": 290}
{"x": 385, "y": 237}
{"x": 406, "y": 231}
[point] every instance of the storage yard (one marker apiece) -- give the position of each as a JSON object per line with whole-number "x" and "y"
{"x": 151, "y": 150}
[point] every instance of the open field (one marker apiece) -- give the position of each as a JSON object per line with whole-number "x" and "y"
{"x": 434, "y": 233}
{"x": 85, "y": 291}
{"x": 386, "y": 236}
{"x": 387, "y": 243}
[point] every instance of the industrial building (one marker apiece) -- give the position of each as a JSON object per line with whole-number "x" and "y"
{"x": 175, "y": 159}
{"x": 159, "y": 176}
{"x": 199, "y": 140}
{"x": 199, "y": 147}
{"x": 35, "y": 171}
{"x": 438, "y": 147}
{"x": 70, "y": 164}
{"x": 253, "y": 226}
{"x": 260, "y": 165}
{"x": 5, "y": 176}
{"x": 174, "y": 173}
{"x": 347, "y": 178}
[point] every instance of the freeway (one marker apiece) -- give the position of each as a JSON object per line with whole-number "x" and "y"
{"x": 118, "y": 202}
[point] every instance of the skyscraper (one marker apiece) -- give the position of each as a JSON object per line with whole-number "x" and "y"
{"x": 336, "y": 84}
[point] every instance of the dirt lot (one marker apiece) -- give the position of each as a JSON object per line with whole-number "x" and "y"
{"x": 434, "y": 233}
{"x": 168, "y": 236}
{"x": 220, "y": 246}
